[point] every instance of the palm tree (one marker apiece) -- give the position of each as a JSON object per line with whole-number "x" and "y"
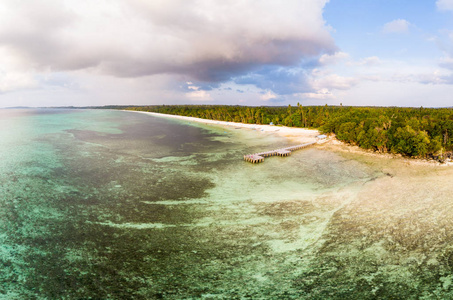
{"x": 303, "y": 122}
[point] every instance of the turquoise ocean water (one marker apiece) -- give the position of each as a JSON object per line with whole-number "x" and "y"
{"x": 101, "y": 204}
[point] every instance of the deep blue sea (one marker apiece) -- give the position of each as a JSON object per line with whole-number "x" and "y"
{"x": 103, "y": 204}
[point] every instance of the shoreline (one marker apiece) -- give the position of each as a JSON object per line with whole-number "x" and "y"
{"x": 339, "y": 146}
{"x": 303, "y": 135}
{"x": 298, "y": 135}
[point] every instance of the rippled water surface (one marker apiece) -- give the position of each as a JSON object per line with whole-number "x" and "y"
{"x": 119, "y": 205}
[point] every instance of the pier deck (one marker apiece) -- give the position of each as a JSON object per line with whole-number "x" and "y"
{"x": 259, "y": 157}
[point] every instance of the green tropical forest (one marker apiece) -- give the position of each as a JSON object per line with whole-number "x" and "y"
{"x": 413, "y": 132}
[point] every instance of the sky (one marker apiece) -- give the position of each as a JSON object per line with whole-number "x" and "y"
{"x": 236, "y": 52}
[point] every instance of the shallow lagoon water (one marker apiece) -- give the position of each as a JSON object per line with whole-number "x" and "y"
{"x": 118, "y": 205}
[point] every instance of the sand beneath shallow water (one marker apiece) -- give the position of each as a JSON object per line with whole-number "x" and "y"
{"x": 395, "y": 233}
{"x": 386, "y": 234}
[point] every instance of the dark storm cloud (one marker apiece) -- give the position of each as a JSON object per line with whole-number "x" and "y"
{"x": 207, "y": 41}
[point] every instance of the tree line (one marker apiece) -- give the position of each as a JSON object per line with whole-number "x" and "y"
{"x": 415, "y": 132}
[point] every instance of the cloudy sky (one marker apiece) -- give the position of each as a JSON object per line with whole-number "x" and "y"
{"x": 247, "y": 52}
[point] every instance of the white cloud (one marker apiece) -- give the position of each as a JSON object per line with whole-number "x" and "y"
{"x": 370, "y": 61}
{"x": 434, "y": 77}
{"x": 444, "y": 4}
{"x": 12, "y": 76}
{"x": 199, "y": 95}
{"x": 334, "y": 81}
{"x": 391, "y": 93}
{"x": 268, "y": 96}
{"x": 328, "y": 59}
{"x": 396, "y": 26}
{"x": 11, "y": 81}
{"x": 446, "y": 62}
{"x": 323, "y": 94}
{"x": 367, "y": 61}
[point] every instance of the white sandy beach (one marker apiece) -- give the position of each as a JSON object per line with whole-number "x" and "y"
{"x": 302, "y": 135}
{"x": 298, "y": 135}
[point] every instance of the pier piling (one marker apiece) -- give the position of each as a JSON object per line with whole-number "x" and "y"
{"x": 259, "y": 157}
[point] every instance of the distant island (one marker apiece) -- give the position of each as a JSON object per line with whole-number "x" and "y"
{"x": 412, "y": 132}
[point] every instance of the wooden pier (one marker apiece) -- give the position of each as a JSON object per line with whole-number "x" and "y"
{"x": 259, "y": 157}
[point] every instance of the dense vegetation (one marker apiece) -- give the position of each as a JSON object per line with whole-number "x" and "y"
{"x": 415, "y": 132}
